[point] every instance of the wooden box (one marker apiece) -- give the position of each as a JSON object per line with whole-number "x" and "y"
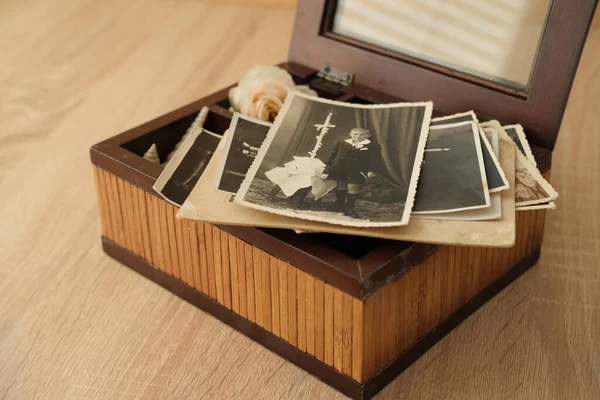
{"x": 353, "y": 311}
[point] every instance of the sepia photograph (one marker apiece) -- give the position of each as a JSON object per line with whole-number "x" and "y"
{"x": 243, "y": 141}
{"x": 530, "y": 186}
{"x": 495, "y": 176}
{"x": 453, "y": 175}
{"x": 340, "y": 163}
{"x": 184, "y": 169}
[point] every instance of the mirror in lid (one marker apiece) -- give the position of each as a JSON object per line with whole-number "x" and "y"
{"x": 491, "y": 42}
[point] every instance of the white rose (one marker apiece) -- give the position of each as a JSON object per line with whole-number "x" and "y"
{"x": 262, "y": 91}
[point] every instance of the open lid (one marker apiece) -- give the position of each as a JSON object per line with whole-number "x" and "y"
{"x": 508, "y": 60}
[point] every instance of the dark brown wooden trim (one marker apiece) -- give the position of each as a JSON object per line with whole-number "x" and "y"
{"x": 126, "y": 165}
{"x": 387, "y": 263}
{"x": 330, "y": 376}
{"x": 164, "y": 120}
{"x": 540, "y": 112}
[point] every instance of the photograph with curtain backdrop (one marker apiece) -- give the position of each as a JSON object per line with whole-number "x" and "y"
{"x": 400, "y": 130}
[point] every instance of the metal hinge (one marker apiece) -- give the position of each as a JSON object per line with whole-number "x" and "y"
{"x": 336, "y": 75}
{"x": 332, "y": 80}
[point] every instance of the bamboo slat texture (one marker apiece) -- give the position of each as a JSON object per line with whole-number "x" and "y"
{"x": 356, "y": 337}
{"x": 276, "y": 296}
{"x": 76, "y": 324}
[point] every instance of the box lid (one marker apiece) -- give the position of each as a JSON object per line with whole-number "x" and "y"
{"x": 360, "y": 37}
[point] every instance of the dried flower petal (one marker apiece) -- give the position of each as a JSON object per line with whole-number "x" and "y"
{"x": 262, "y": 92}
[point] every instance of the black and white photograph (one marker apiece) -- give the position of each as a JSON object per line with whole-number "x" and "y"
{"x": 517, "y": 134}
{"x": 340, "y": 163}
{"x": 242, "y": 143}
{"x": 493, "y": 212}
{"x": 453, "y": 175}
{"x": 187, "y": 165}
{"x": 493, "y": 171}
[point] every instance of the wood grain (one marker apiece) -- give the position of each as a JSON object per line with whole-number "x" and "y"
{"x": 76, "y": 324}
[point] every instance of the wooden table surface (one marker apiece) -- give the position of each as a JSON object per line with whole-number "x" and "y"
{"x": 74, "y": 324}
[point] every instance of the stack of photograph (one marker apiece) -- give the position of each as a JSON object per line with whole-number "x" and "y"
{"x": 389, "y": 171}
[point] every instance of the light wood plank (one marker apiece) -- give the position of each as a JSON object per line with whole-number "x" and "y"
{"x": 319, "y": 319}
{"x": 386, "y": 314}
{"x": 180, "y": 242}
{"x": 284, "y": 298}
{"x": 124, "y": 205}
{"x": 163, "y": 229}
{"x": 171, "y": 242}
{"x": 401, "y": 332}
{"x": 187, "y": 253}
{"x": 338, "y": 330}
{"x": 292, "y": 306}
{"x": 392, "y": 325}
{"x": 459, "y": 277}
{"x": 217, "y": 264}
{"x": 118, "y": 211}
{"x": 209, "y": 247}
{"x": 250, "y": 293}
{"x": 225, "y": 270}
{"x": 357, "y": 339}
{"x": 301, "y": 321}
{"x": 241, "y": 273}
{"x": 422, "y": 304}
{"x": 204, "y": 248}
{"x": 145, "y": 209}
{"x": 328, "y": 348}
{"x": 368, "y": 348}
{"x": 274, "y": 296}
{"x": 258, "y": 285}
{"x": 265, "y": 266}
{"x": 309, "y": 285}
{"x": 195, "y": 254}
{"x": 135, "y": 220}
{"x": 156, "y": 227}
{"x": 233, "y": 273}
{"x": 347, "y": 314}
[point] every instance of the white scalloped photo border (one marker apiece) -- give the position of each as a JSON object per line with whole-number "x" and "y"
{"x": 410, "y": 199}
